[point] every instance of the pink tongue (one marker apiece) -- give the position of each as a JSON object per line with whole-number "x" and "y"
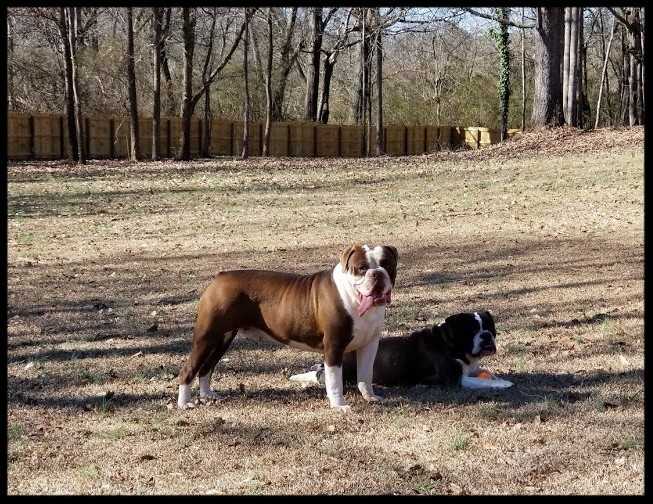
{"x": 365, "y": 304}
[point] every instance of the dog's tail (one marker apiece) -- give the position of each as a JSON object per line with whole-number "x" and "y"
{"x": 315, "y": 376}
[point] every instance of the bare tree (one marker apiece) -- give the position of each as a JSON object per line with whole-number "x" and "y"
{"x": 246, "y": 115}
{"x": 157, "y": 22}
{"x": 267, "y": 77}
{"x": 330, "y": 58}
{"x": 503, "y": 40}
{"x": 547, "y": 96}
{"x": 134, "y": 142}
{"x": 380, "y": 147}
{"x": 631, "y": 21}
{"x": 68, "y": 77}
{"x": 288, "y": 57}
{"x": 603, "y": 73}
{"x": 10, "y": 67}
{"x": 571, "y": 105}
{"x": 171, "y": 103}
{"x": 71, "y": 19}
{"x": 206, "y": 70}
{"x": 523, "y": 74}
{"x": 318, "y": 26}
{"x": 190, "y": 100}
{"x": 313, "y": 75}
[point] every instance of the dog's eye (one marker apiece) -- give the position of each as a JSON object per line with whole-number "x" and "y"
{"x": 363, "y": 268}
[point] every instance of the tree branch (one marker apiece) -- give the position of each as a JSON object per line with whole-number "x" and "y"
{"x": 496, "y": 19}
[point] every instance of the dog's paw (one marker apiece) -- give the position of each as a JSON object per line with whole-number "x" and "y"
{"x": 185, "y": 405}
{"x": 211, "y": 395}
{"x": 342, "y": 408}
{"x": 372, "y": 398}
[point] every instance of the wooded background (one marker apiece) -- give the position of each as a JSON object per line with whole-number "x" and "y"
{"x": 371, "y": 67}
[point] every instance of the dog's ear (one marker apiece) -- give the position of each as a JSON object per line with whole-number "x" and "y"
{"x": 346, "y": 255}
{"x": 457, "y": 320}
{"x": 488, "y": 322}
{"x": 390, "y": 260}
{"x": 393, "y": 251}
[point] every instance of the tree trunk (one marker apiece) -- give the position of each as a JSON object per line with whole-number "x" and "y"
{"x": 206, "y": 124}
{"x": 208, "y": 117}
{"x": 359, "y": 105}
{"x": 313, "y": 74}
{"x": 157, "y": 16}
{"x": 268, "y": 88}
{"x": 10, "y": 66}
{"x": 626, "y": 78}
{"x": 504, "y": 69}
{"x": 188, "y": 31}
{"x": 523, "y": 73}
{"x": 171, "y": 103}
{"x": 286, "y": 63}
{"x": 68, "y": 81}
{"x": 641, "y": 79}
{"x": 565, "y": 63}
{"x": 605, "y": 56}
{"x": 380, "y": 147}
{"x": 329, "y": 63}
{"x": 134, "y": 147}
{"x": 547, "y": 96}
{"x": 245, "y": 151}
{"x": 632, "y": 90}
{"x": 581, "y": 106}
{"x": 77, "y": 105}
{"x": 572, "y": 89}
{"x": 363, "y": 73}
{"x": 603, "y": 73}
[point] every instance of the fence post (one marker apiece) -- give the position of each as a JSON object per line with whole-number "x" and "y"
{"x": 199, "y": 137}
{"x": 87, "y": 137}
{"x": 426, "y": 141}
{"x": 289, "y": 146}
{"x": 260, "y": 139}
{"x": 169, "y": 135}
{"x": 405, "y": 140}
{"x": 314, "y": 141}
{"x": 339, "y": 140}
{"x": 30, "y": 125}
{"x": 385, "y": 139}
{"x": 112, "y": 132}
{"x": 231, "y": 138}
{"x": 61, "y": 140}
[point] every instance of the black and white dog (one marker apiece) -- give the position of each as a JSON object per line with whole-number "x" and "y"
{"x": 444, "y": 354}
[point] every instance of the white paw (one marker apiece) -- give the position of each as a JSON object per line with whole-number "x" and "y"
{"x": 185, "y": 405}
{"x": 342, "y": 408}
{"x": 372, "y": 398}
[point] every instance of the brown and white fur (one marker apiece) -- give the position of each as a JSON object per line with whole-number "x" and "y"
{"x": 332, "y": 312}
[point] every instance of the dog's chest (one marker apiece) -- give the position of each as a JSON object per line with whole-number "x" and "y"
{"x": 366, "y": 329}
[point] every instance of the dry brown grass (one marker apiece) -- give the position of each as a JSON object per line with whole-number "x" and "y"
{"x": 553, "y": 245}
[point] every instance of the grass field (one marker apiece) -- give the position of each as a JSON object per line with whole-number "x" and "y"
{"x": 107, "y": 262}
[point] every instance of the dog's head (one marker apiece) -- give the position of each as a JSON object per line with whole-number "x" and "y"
{"x": 372, "y": 272}
{"x": 470, "y": 336}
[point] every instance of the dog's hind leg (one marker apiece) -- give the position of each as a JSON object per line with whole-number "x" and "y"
{"x": 207, "y": 340}
{"x": 206, "y": 372}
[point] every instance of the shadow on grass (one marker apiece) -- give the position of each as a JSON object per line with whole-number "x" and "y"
{"x": 544, "y": 394}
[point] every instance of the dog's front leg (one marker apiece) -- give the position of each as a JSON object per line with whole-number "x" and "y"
{"x": 333, "y": 357}
{"x": 365, "y": 368}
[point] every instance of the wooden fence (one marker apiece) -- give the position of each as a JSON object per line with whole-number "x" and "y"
{"x": 45, "y": 136}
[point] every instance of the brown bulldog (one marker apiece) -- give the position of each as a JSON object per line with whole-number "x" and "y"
{"x": 332, "y": 312}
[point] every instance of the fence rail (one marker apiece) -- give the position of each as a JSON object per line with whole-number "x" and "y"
{"x": 45, "y": 136}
